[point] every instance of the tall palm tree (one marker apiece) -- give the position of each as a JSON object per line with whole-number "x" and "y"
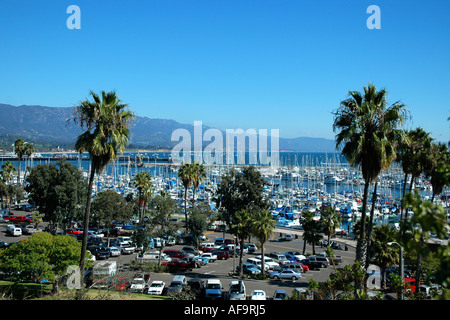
{"x": 263, "y": 226}
{"x": 367, "y": 127}
{"x": 185, "y": 174}
{"x": 198, "y": 174}
{"x": 143, "y": 182}
{"x": 19, "y": 150}
{"x": 106, "y": 121}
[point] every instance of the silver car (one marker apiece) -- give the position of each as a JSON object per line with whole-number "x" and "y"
{"x": 285, "y": 274}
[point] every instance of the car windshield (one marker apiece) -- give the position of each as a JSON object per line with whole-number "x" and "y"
{"x": 156, "y": 285}
{"x": 214, "y": 286}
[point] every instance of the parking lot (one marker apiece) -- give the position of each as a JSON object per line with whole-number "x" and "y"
{"x": 222, "y": 269}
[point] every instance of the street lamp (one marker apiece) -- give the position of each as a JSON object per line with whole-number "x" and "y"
{"x": 402, "y": 274}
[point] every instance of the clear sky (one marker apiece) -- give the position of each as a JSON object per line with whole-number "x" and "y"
{"x": 268, "y": 64}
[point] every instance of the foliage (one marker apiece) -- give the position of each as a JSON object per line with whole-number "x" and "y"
{"x": 40, "y": 257}
{"x": 108, "y": 206}
{"x": 58, "y": 191}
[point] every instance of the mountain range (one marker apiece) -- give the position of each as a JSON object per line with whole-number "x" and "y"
{"x": 53, "y": 125}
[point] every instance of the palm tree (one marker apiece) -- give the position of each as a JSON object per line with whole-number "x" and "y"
{"x": 185, "y": 174}
{"x": 437, "y": 161}
{"x": 367, "y": 127}
{"x": 7, "y": 175}
{"x": 29, "y": 150}
{"x": 242, "y": 227}
{"x": 19, "y": 149}
{"x": 143, "y": 182}
{"x": 263, "y": 226}
{"x": 198, "y": 174}
{"x": 106, "y": 121}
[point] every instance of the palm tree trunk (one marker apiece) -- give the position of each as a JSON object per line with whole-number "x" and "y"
{"x": 403, "y": 196}
{"x": 372, "y": 212}
{"x": 86, "y": 221}
{"x": 361, "y": 244}
{"x": 185, "y": 208}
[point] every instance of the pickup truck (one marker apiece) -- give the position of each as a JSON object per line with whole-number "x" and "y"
{"x": 140, "y": 282}
{"x": 126, "y": 248}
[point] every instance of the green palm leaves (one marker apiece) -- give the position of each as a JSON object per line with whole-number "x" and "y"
{"x": 106, "y": 122}
{"x": 367, "y": 133}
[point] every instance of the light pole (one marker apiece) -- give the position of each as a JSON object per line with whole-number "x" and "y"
{"x": 402, "y": 274}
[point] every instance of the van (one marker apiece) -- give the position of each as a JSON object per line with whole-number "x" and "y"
{"x": 153, "y": 257}
{"x": 16, "y": 232}
{"x": 178, "y": 283}
{"x": 213, "y": 289}
{"x": 207, "y": 246}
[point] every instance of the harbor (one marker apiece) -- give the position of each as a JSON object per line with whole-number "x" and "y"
{"x": 303, "y": 181}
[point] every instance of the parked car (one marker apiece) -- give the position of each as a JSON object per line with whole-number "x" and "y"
{"x": 16, "y": 232}
{"x": 114, "y": 251}
{"x": 28, "y": 229}
{"x": 221, "y": 254}
{"x": 197, "y": 286}
{"x": 213, "y": 289}
{"x": 211, "y": 257}
{"x": 249, "y": 268}
{"x": 251, "y": 247}
{"x": 296, "y": 254}
{"x": 126, "y": 248}
{"x": 285, "y": 274}
{"x": 100, "y": 252}
{"x": 280, "y": 294}
{"x": 258, "y": 295}
{"x": 178, "y": 283}
{"x": 236, "y": 290}
{"x": 296, "y": 266}
{"x": 278, "y": 257}
{"x": 268, "y": 262}
{"x": 156, "y": 287}
{"x": 140, "y": 283}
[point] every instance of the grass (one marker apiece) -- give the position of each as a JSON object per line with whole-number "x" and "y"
{"x": 34, "y": 291}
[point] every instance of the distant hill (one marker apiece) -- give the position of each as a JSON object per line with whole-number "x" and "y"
{"x": 53, "y": 125}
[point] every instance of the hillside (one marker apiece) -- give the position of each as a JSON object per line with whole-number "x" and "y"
{"x": 52, "y": 125}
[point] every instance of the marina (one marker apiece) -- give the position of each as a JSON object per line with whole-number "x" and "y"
{"x": 303, "y": 181}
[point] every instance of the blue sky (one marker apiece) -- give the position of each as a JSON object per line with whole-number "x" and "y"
{"x": 279, "y": 64}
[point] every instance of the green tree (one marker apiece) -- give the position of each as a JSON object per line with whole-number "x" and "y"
{"x": 198, "y": 221}
{"x": 58, "y": 191}
{"x": 143, "y": 182}
{"x": 198, "y": 174}
{"x": 312, "y": 230}
{"x": 7, "y": 175}
{"x": 19, "y": 150}
{"x": 185, "y": 175}
{"x": 438, "y": 160}
{"x": 240, "y": 191}
{"x": 382, "y": 254}
{"x": 108, "y": 206}
{"x": 368, "y": 128}
{"x": 106, "y": 121}
{"x": 243, "y": 228}
{"x": 263, "y": 226}
{"x": 42, "y": 256}
{"x": 330, "y": 220}
{"x": 163, "y": 208}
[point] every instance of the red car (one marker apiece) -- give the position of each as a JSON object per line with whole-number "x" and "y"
{"x": 221, "y": 254}
{"x": 74, "y": 231}
{"x": 21, "y": 219}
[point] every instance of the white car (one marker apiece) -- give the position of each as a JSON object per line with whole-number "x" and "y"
{"x": 211, "y": 257}
{"x": 156, "y": 287}
{"x": 258, "y": 295}
{"x": 285, "y": 274}
{"x": 114, "y": 251}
